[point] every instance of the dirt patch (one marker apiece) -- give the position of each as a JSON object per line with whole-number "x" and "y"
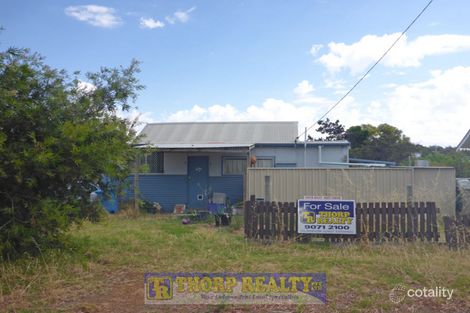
{"x": 123, "y": 292}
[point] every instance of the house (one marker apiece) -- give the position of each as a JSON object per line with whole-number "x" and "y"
{"x": 187, "y": 162}
{"x": 465, "y": 143}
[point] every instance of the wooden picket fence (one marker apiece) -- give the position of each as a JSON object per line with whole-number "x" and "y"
{"x": 375, "y": 222}
{"x": 457, "y": 231}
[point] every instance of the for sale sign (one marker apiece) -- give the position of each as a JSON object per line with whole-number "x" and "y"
{"x": 327, "y": 216}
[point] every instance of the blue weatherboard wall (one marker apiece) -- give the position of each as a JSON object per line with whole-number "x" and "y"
{"x": 230, "y": 185}
{"x": 169, "y": 190}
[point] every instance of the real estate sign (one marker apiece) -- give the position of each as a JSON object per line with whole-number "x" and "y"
{"x": 326, "y": 216}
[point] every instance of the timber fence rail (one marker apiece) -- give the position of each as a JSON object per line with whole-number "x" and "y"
{"x": 377, "y": 222}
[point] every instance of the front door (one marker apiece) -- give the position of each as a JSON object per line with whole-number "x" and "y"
{"x": 198, "y": 173}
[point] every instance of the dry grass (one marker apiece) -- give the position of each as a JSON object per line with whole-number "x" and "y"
{"x": 103, "y": 270}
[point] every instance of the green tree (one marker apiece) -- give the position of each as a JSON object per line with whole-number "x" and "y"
{"x": 57, "y": 138}
{"x": 357, "y": 135}
{"x": 384, "y": 142}
{"x": 333, "y": 130}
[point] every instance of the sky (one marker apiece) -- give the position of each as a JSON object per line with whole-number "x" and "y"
{"x": 229, "y": 60}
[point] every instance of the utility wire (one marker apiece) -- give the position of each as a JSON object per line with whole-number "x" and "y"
{"x": 368, "y": 71}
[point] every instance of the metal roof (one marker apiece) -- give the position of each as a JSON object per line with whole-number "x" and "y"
{"x": 198, "y": 146}
{"x": 465, "y": 143}
{"x": 217, "y": 134}
{"x": 302, "y": 143}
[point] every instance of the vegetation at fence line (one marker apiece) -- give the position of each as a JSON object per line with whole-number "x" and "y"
{"x": 104, "y": 266}
{"x": 439, "y": 156}
{"x": 388, "y": 143}
{"x": 59, "y": 136}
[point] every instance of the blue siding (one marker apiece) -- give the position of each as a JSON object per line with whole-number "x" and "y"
{"x": 230, "y": 185}
{"x": 167, "y": 190}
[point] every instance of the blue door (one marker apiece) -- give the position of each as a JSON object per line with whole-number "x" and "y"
{"x": 198, "y": 174}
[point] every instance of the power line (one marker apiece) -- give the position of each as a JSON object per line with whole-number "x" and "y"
{"x": 369, "y": 70}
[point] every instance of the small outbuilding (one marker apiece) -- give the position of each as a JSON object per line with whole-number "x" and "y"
{"x": 188, "y": 162}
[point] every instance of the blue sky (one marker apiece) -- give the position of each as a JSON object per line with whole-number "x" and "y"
{"x": 268, "y": 60}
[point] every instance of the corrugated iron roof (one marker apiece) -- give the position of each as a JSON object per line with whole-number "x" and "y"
{"x": 198, "y": 146}
{"x": 218, "y": 134}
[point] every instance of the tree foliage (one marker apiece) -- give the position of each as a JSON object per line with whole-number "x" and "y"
{"x": 333, "y": 130}
{"x": 383, "y": 142}
{"x": 439, "y": 156}
{"x": 57, "y": 138}
{"x": 388, "y": 143}
{"x": 358, "y": 135}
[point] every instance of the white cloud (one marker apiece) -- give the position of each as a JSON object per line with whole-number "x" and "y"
{"x": 86, "y": 87}
{"x": 337, "y": 84}
{"x": 431, "y": 112}
{"x": 315, "y": 49}
{"x": 359, "y": 55}
{"x": 140, "y": 118}
{"x": 303, "y": 88}
{"x": 95, "y": 15}
{"x": 180, "y": 16}
{"x": 304, "y": 94}
{"x": 270, "y": 110}
{"x": 434, "y": 111}
{"x": 151, "y": 23}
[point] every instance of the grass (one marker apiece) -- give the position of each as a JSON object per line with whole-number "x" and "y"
{"x": 103, "y": 258}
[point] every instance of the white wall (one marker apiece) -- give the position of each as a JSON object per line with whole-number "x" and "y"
{"x": 176, "y": 163}
{"x": 330, "y": 153}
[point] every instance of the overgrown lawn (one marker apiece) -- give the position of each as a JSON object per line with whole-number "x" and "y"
{"x": 102, "y": 259}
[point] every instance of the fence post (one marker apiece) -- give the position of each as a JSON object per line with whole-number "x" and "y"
{"x": 359, "y": 215}
{"x": 370, "y": 219}
{"x": 422, "y": 227}
{"x": 285, "y": 219}
{"x": 248, "y": 216}
{"x": 434, "y": 221}
{"x": 449, "y": 231}
{"x": 383, "y": 216}
{"x": 389, "y": 221}
{"x": 403, "y": 220}
{"x": 396, "y": 221}
{"x": 292, "y": 220}
{"x": 377, "y": 230}
{"x": 274, "y": 221}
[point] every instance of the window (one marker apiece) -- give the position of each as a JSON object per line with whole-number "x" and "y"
{"x": 154, "y": 161}
{"x": 264, "y": 163}
{"x": 234, "y": 166}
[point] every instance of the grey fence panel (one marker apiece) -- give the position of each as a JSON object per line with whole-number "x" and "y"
{"x": 429, "y": 184}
